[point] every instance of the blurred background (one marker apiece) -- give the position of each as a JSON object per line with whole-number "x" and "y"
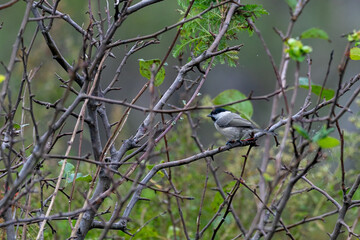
{"x": 253, "y": 72}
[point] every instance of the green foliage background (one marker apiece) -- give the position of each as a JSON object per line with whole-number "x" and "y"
{"x": 190, "y": 180}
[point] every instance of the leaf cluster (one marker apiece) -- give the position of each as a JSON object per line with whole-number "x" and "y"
{"x": 198, "y": 35}
{"x": 321, "y": 137}
{"x": 355, "y": 51}
{"x": 296, "y": 50}
{"x": 69, "y": 173}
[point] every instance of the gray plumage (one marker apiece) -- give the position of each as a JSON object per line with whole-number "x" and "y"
{"x": 232, "y": 126}
{"x": 234, "y": 120}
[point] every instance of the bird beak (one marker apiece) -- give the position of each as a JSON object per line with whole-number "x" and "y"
{"x": 209, "y": 115}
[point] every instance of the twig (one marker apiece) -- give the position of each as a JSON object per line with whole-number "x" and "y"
{"x": 337, "y": 205}
{"x": 8, "y": 4}
{"x": 154, "y": 35}
{"x": 178, "y": 110}
{"x": 277, "y": 74}
{"x": 54, "y": 49}
{"x": 214, "y": 173}
{"x": 346, "y": 205}
{"x": 11, "y": 65}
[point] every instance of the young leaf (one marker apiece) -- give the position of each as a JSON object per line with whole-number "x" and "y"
{"x": 216, "y": 201}
{"x": 68, "y": 167}
{"x": 296, "y": 50}
{"x": 83, "y": 178}
{"x": 70, "y": 177}
{"x": 150, "y": 166}
{"x": 146, "y": 66}
{"x": 197, "y": 35}
{"x": 231, "y": 95}
{"x": 328, "y": 142}
{"x": 304, "y": 82}
{"x": 327, "y": 93}
{"x": 322, "y": 133}
{"x": 229, "y": 186}
{"x": 315, "y": 33}
{"x": 79, "y": 178}
{"x": 301, "y": 131}
{"x": 2, "y": 78}
{"x": 160, "y": 173}
{"x": 354, "y": 36}
{"x": 355, "y": 53}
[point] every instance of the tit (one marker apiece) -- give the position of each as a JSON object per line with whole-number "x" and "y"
{"x": 232, "y": 126}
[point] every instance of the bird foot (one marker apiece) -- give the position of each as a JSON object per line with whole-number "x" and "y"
{"x": 230, "y": 142}
{"x": 251, "y": 141}
{"x": 248, "y": 140}
{"x": 242, "y": 142}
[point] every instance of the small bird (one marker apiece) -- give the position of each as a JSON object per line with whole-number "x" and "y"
{"x": 232, "y": 126}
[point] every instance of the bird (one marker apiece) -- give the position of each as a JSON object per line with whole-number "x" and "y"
{"x": 232, "y": 126}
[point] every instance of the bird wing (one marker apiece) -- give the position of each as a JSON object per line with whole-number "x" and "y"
{"x": 234, "y": 120}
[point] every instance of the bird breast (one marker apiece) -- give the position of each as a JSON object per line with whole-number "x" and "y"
{"x": 233, "y": 133}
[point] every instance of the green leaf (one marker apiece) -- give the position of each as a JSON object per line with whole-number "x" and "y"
{"x": 150, "y": 166}
{"x": 147, "y": 66}
{"x": 355, "y": 53}
{"x": 229, "y": 186}
{"x": 354, "y": 36}
{"x": 2, "y": 78}
{"x": 216, "y": 202}
{"x": 301, "y": 131}
{"x": 79, "y": 177}
{"x": 328, "y": 142}
{"x": 291, "y": 3}
{"x": 327, "y": 93}
{"x": 304, "y": 82}
{"x": 244, "y": 108}
{"x": 196, "y": 36}
{"x": 68, "y": 167}
{"x": 296, "y": 50}
{"x": 83, "y": 178}
{"x": 160, "y": 173}
{"x": 70, "y": 177}
{"x": 315, "y": 33}
{"x": 18, "y": 127}
{"x": 322, "y": 133}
